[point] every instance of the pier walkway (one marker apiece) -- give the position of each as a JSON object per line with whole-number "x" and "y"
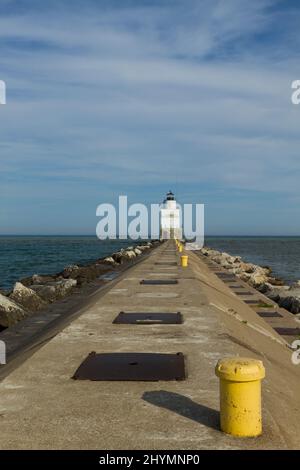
{"x": 43, "y": 407}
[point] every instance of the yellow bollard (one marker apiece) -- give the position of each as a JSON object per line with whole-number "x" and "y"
{"x": 240, "y": 395}
{"x": 180, "y": 248}
{"x": 184, "y": 261}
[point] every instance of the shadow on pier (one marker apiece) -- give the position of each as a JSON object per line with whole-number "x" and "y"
{"x": 184, "y": 407}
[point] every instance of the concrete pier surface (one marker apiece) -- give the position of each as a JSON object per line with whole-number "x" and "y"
{"x": 42, "y": 407}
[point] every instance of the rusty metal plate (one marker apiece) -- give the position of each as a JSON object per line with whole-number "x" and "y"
{"x": 269, "y": 314}
{"x": 166, "y": 263}
{"x": 230, "y": 278}
{"x": 148, "y": 318}
{"x": 288, "y": 331}
{"x": 131, "y": 366}
{"x": 158, "y": 282}
{"x": 244, "y": 293}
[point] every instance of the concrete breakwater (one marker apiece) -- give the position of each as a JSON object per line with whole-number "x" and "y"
{"x": 259, "y": 277}
{"x": 33, "y": 294}
{"x": 43, "y": 407}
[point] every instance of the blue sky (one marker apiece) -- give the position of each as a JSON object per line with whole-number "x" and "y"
{"x": 137, "y": 97}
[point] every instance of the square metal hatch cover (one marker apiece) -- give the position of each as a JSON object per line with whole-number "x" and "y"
{"x": 221, "y": 274}
{"x": 158, "y": 282}
{"x": 131, "y": 366}
{"x": 227, "y": 278}
{"x": 288, "y": 331}
{"x": 166, "y": 263}
{"x": 269, "y": 314}
{"x": 148, "y": 318}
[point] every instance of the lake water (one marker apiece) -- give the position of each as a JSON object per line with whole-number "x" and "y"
{"x": 24, "y": 256}
{"x": 282, "y": 254}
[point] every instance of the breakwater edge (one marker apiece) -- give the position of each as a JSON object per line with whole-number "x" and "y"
{"x": 35, "y": 293}
{"x": 260, "y": 277}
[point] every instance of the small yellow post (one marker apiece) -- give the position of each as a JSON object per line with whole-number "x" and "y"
{"x": 180, "y": 248}
{"x": 184, "y": 261}
{"x": 240, "y": 395}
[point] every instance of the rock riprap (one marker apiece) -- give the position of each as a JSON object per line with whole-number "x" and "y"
{"x": 26, "y": 297}
{"x": 259, "y": 277}
{"x": 54, "y": 290}
{"x": 35, "y": 292}
{"x": 10, "y": 312}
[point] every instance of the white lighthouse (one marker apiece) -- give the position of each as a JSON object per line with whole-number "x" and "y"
{"x": 170, "y": 226}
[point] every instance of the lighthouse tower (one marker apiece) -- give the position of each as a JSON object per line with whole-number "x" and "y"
{"x": 170, "y": 226}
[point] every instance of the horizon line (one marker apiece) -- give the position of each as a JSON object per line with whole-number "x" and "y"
{"x": 95, "y": 236}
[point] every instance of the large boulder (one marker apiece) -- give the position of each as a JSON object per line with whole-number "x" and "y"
{"x": 217, "y": 259}
{"x": 275, "y": 281}
{"x": 86, "y": 274}
{"x": 26, "y": 297}
{"x": 295, "y": 285}
{"x": 267, "y": 270}
{"x": 275, "y": 290}
{"x": 142, "y": 247}
{"x": 209, "y": 252}
{"x": 118, "y": 257}
{"x": 294, "y": 291}
{"x": 71, "y": 271}
{"x": 137, "y": 251}
{"x": 247, "y": 267}
{"x": 257, "y": 278}
{"x": 109, "y": 260}
{"x": 290, "y": 303}
{"x": 41, "y": 279}
{"x": 37, "y": 279}
{"x": 205, "y": 251}
{"x": 123, "y": 255}
{"x": 10, "y": 312}
{"x": 234, "y": 260}
{"x": 129, "y": 254}
{"x": 54, "y": 290}
{"x": 287, "y": 297}
{"x": 244, "y": 276}
{"x": 263, "y": 288}
{"x": 47, "y": 293}
{"x": 225, "y": 263}
{"x": 236, "y": 270}
{"x": 222, "y": 260}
